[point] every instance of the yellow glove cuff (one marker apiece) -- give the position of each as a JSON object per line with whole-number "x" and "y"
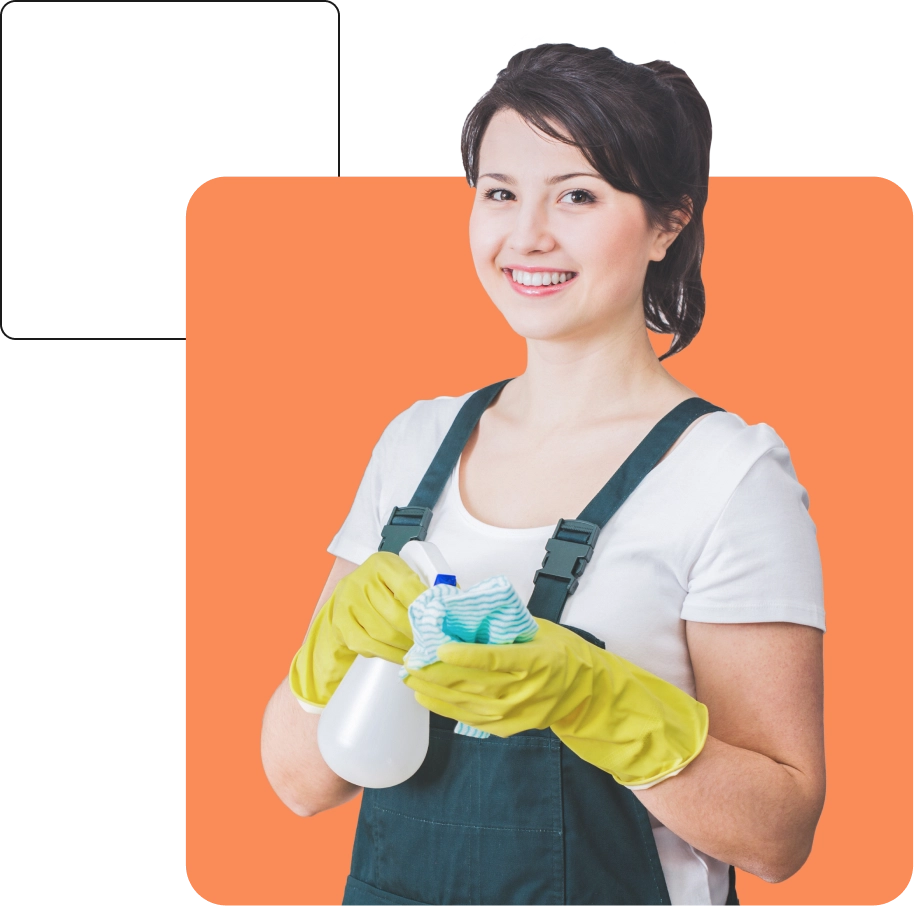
{"x": 319, "y": 665}
{"x": 634, "y": 725}
{"x": 299, "y": 679}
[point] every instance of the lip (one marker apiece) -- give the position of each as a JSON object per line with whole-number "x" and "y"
{"x": 536, "y": 290}
{"x": 536, "y": 270}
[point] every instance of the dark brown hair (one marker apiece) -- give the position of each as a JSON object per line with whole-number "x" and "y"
{"x": 645, "y": 129}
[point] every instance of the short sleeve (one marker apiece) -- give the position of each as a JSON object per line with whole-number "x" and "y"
{"x": 360, "y": 534}
{"x": 761, "y": 562}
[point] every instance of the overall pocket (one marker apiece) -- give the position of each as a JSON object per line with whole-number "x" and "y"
{"x": 480, "y": 822}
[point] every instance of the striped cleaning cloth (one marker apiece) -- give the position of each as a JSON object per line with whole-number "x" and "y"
{"x": 489, "y": 612}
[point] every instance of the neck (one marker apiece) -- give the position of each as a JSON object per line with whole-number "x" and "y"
{"x": 575, "y": 384}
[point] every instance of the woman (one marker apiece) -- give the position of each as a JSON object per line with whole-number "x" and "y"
{"x": 666, "y": 722}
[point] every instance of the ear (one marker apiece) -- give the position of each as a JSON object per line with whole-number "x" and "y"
{"x": 663, "y": 239}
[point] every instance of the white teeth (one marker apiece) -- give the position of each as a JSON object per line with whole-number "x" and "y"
{"x": 540, "y": 278}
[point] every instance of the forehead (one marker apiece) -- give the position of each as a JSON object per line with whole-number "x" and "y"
{"x": 514, "y": 147}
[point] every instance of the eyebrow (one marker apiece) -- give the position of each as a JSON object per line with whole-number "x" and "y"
{"x": 501, "y": 177}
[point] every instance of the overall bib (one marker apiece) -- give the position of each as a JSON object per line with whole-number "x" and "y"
{"x": 518, "y": 820}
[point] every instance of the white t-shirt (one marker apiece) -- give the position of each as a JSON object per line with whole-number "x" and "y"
{"x": 718, "y": 532}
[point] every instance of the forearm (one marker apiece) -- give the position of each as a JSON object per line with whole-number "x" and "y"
{"x": 740, "y": 807}
{"x": 292, "y": 760}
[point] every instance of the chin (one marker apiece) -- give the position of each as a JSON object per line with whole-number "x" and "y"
{"x": 536, "y": 327}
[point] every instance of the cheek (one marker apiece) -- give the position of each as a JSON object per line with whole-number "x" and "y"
{"x": 484, "y": 240}
{"x": 616, "y": 249}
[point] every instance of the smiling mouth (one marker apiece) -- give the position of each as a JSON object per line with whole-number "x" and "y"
{"x": 539, "y": 278}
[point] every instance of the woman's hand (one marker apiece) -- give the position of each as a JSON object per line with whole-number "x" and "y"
{"x": 367, "y": 614}
{"x": 369, "y": 607}
{"x": 626, "y": 721}
{"x": 506, "y": 689}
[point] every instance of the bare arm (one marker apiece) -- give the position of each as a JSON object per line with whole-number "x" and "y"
{"x": 754, "y": 795}
{"x": 288, "y": 741}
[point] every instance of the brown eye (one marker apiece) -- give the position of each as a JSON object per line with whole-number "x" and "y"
{"x": 499, "y": 194}
{"x": 579, "y": 196}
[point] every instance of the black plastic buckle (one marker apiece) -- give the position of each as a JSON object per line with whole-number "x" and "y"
{"x": 406, "y": 523}
{"x": 568, "y": 551}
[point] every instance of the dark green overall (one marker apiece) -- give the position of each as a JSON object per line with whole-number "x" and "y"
{"x": 522, "y": 819}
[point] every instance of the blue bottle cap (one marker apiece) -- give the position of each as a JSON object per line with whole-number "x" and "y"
{"x": 445, "y": 579}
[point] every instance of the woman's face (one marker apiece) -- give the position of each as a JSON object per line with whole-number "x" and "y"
{"x": 561, "y": 253}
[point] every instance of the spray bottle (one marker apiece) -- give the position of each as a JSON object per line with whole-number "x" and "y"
{"x": 373, "y": 732}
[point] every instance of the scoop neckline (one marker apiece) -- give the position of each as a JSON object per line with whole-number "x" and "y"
{"x": 527, "y": 532}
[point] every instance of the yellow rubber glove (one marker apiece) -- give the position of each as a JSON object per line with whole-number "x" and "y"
{"x": 367, "y": 615}
{"x": 610, "y": 712}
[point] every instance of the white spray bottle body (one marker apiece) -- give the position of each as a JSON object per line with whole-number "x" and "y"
{"x": 373, "y": 732}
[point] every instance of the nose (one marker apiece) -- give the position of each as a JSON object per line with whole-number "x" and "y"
{"x": 531, "y": 231}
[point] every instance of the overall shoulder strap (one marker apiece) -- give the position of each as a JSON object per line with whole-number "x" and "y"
{"x": 571, "y": 546}
{"x": 411, "y": 522}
